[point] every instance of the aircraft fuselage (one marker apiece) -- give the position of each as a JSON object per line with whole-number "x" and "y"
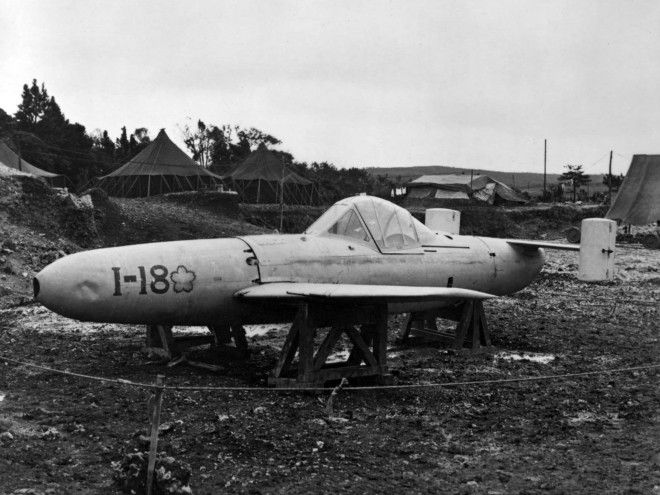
{"x": 195, "y": 282}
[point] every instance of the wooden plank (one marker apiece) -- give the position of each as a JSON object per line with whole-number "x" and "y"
{"x": 361, "y": 346}
{"x": 153, "y": 338}
{"x": 327, "y": 374}
{"x": 463, "y": 324}
{"x": 476, "y": 327}
{"x": 238, "y": 332}
{"x": 405, "y": 335}
{"x": 306, "y": 333}
{"x": 182, "y": 343}
{"x": 485, "y": 332}
{"x": 222, "y": 333}
{"x": 380, "y": 336}
{"x": 166, "y": 339}
{"x": 326, "y": 347}
{"x": 288, "y": 349}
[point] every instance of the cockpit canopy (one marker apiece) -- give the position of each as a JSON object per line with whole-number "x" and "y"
{"x": 373, "y": 221}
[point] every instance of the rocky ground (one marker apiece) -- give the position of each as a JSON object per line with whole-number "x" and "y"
{"x": 595, "y": 434}
{"x": 62, "y": 434}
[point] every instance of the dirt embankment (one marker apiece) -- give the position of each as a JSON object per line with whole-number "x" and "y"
{"x": 293, "y": 219}
{"x": 39, "y": 224}
{"x": 530, "y": 222}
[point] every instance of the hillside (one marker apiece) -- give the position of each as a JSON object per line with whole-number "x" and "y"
{"x": 39, "y": 224}
{"x": 531, "y": 182}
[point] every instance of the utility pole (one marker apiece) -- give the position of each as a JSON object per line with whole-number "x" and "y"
{"x": 282, "y": 198}
{"x": 545, "y": 162}
{"x": 609, "y": 179}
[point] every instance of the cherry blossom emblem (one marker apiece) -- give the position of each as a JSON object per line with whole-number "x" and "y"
{"x": 183, "y": 279}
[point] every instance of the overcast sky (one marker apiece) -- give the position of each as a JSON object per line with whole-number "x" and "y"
{"x": 357, "y": 83}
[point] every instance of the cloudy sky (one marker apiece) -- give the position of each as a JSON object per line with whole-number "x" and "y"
{"x": 475, "y": 84}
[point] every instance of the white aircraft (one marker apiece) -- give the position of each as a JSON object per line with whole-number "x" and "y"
{"x": 363, "y": 258}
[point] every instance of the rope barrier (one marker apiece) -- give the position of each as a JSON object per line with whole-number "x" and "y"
{"x": 120, "y": 381}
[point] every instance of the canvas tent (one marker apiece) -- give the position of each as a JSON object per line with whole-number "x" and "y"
{"x": 11, "y": 160}
{"x": 159, "y": 168}
{"x": 463, "y": 187}
{"x": 262, "y": 178}
{"x": 638, "y": 200}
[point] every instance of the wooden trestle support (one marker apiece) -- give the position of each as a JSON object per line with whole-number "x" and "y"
{"x": 161, "y": 342}
{"x": 471, "y": 330}
{"x": 367, "y": 358}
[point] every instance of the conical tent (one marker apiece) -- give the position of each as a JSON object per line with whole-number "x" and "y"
{"x": 638, "y": 201}
{"x": 160, "y": 168}
{"x": 263, "y": 178}
{"x": 11, "y": 159}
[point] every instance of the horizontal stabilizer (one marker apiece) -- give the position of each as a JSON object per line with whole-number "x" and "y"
{"x": 543, "y": 244}
{"x": 392, "y": 293}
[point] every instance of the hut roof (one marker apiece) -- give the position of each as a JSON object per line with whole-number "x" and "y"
{"x": 263, "y": 164}
{"x": 161, "y": 157}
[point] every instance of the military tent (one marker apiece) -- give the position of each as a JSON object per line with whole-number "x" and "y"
{"x": 159, "y": 168}
{"x": 262, "y": 178}
{"x": 463, "y": 187}
{"x": 638, "y": 200}
{"x": 11, "y": 160}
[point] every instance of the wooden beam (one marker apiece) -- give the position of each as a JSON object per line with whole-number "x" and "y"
{"x": 463, "y": 324}
{"x": 305, "y": 345}
{"x": 326, "y": 347}
{"x": 361, "y": 349}
{"x": 380, "y": 336}
{"x": 289, "y": 348}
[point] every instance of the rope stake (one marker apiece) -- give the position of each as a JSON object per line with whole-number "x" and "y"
{"x": 156, "y": 402}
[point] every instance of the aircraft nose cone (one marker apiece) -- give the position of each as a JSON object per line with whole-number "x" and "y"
{"x": 61, "y": 288}
{"x": 45, "y": 288}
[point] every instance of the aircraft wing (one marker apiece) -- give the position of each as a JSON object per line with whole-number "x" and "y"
{"x": 543, "y": 244}
{"x": 292, "y": 291}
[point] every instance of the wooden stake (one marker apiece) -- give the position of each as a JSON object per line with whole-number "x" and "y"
{"x": 155, "y": 423}
{"x": 329, "y": 405}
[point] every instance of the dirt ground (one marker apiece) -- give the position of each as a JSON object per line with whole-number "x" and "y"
{"x": 595, "y": 434}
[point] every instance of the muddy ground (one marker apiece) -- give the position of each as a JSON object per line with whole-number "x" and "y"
{"x": 595, "y": 434}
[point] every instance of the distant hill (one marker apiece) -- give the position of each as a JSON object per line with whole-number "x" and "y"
{"x": 531, "y": 182}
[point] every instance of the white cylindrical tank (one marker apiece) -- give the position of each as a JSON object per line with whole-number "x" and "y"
{"x": 598, "y": 236}
{"x": 443, "y": 220}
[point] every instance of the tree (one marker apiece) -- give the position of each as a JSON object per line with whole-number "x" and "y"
{"x": 201, "y": 141}
{"x": 219, "y": 147}
{"x": 33, "y": 105}
{"x": 575, "y": 176}
{"x": 47, "y": 138}
{"x": 103, "y": 150}
{"x": 616, "y": 180}
{"x": 5, "y": 122}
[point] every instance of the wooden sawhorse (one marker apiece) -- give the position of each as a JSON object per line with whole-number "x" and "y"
{"x": 471, "y": 331}
{"x": 367, "y": 358}
{"x": 161, "y": 342}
